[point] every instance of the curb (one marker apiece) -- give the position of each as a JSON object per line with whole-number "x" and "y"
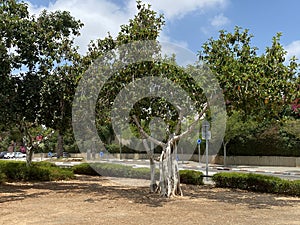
{"x": 219, "y": 168}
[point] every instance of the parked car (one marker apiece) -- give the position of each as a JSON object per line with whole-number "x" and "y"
{"x": 9, "y": 155}
{"x": 20, "y": 155}
{"x": 2, "y": 154}
{"x": 51, "y": 155}
{"x": 66, "y": 154}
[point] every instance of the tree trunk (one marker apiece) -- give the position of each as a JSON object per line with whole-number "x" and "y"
{"x": 225, "y": 153}
{"x": 153, "y": 185}
{"x": 162, "y": 174}
{"x": 60, "y": 145}
{"x": 28, "y": 143}
{"x": 169, "y": 179}
{"x": 176, "y": 188}
{"x": 169, "y": 182}
{"x": 29, "y": 154}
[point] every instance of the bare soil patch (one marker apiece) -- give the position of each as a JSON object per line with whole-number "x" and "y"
{"x": 98, "y": 200}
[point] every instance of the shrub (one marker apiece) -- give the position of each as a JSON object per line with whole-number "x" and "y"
{"x": 2, "y": 177}
{"x": 257, "y": 183}
{"x": 262, "y": 183}
{"x": 230, "y": 180}
{"x": 84, "y": 168}
{"x": 191, "y": 177}
{"x": 42, "y": 171}
{"x": 289, "y": 187}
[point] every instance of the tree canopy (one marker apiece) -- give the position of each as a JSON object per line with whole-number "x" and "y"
{"x": 260, "y": 85}
{"x": 33, "y": 49}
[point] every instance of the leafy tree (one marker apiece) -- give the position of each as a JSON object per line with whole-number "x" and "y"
{"x": 292, "y": 127}
{"x": 32, "y": 49}
{"x": 238, "y": 126}
{"x": 258, "y": 85}
{"x": 56, "y": 100}
{"x": 145, "y": 26}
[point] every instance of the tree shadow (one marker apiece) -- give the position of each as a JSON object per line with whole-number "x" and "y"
{"x": 240, "y": 197}
{"x": 85, "y": 184}
{"x": 100, "y": 188}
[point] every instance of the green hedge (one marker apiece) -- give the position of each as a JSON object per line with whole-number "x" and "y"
{"x": 42, "y": 171}
{"x": 257, "y": 183}
{"x": 112, "y": 170}
{"x": 85, "y": 169}
{"x": 116, "y": 170}
{"x": 2, "y": 177}
{"x": 191, "y": 177}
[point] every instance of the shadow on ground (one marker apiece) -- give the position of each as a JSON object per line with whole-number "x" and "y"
{"x": 99, "y": 188}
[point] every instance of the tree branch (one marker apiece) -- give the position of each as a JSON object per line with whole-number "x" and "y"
{"x": 189, "y": 129}
{"x": 178, "y": 126}
{"x": 163, "y": 145}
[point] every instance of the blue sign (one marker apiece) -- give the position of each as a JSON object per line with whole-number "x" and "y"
{"x": 49, "y": 154}
{"x": 199, "y": 141}
{"x": 101, "y": 154}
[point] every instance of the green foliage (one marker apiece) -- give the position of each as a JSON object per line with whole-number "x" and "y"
{"x": 146, "y": 25}
{"x": 44, "y": 52}
{"x": 115, "y": 148}
{"x": 269, "y": 139}
{"x": 191, "y": 177}
{"x": 292, "y": 127}
{"x": 257, "y": 183}
{"x": 238, "y": 126}
{"x": 289, "y": 187}
{"x": 19, "y": 171}
{"x": 85, "y": 169}
{"x": 2, "y": 177}
{"x": 116, "y": 170}
{"x": 251, "y": 83}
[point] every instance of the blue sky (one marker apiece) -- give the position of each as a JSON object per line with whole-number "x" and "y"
{"x": 189, "y": 23}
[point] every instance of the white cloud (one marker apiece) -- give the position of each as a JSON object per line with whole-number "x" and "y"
{"x": 219, "y": 21}
{"x": 179, "y": 9}
{"x": 293, "y": 49}
{"x": 99, "y": 17}
{"x": 165, "y": 38}
{"x": 103, "y": 16}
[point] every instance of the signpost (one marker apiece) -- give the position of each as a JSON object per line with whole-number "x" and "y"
{"x": 206, "y": 134}
{"x": 120, "y": 143}
{"x": 199, "y": 142}
{"x": 101, "y": 154}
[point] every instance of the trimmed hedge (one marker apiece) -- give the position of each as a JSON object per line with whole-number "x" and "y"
{"x": 112, "y": 170}
{"x": 41, "y": 171}
{"x": 116, "y": 170}
{"x": 46, "y": 171}
{"x": 257, "y": 183}
{"x": 84, "y": 169}
{"x": 2, "y": 177}
{"x": 191, "y": 177}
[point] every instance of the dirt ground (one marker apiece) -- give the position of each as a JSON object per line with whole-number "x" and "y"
{"x": 98, "y": 200}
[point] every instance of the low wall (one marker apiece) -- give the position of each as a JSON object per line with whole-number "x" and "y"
{"x": 260, "y": 160}
{"x": 230, "y": 160}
